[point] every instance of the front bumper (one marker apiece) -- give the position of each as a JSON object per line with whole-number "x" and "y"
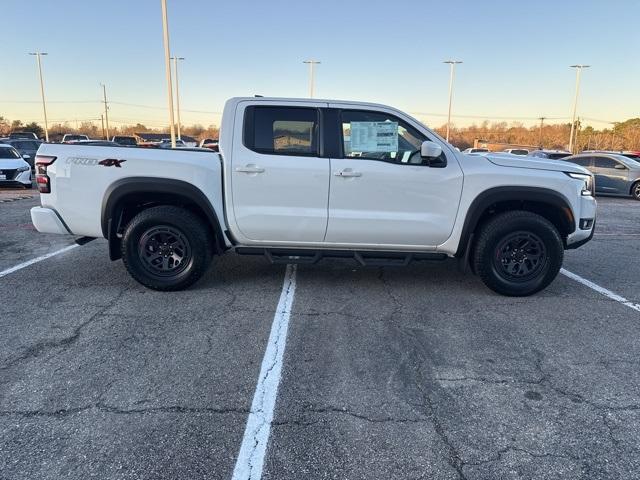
{"x": 20, "y": 178}
{"x": 47, "y": 220}
{"x": 579, "y": 237}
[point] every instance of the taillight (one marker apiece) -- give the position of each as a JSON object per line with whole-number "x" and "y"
{"x": 42, "y": 179}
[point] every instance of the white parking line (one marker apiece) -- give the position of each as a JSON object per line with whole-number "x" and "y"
{"x": 599, "y": 289}
{"x": 22, "y": 265}
{"x": 256, "y": 434}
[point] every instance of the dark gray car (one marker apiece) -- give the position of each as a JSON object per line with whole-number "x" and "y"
{"x": 614, "y": 174}
{"x": 25, "y": 147}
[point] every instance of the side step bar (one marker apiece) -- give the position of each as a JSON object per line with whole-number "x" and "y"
{"x": 364, "y": 258}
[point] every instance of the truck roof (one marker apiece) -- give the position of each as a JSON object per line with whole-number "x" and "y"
{"x": 306, "y": 100}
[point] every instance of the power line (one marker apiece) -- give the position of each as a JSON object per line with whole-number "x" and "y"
{"x": 51, "y": 101}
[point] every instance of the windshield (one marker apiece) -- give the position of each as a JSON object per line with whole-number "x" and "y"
{"x": 632, "y": 162}
{"x": 7, "y": 152}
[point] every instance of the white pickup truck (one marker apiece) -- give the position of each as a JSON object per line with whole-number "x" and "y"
{"x": 299, "y": 180}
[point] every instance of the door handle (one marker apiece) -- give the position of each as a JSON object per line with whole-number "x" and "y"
{"x": 347, "y": 172}
{"x": 250, "y": 169}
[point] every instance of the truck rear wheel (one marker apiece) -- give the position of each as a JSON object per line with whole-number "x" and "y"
{"x": 166, "y": 248}
{"x": 518, "y": 253}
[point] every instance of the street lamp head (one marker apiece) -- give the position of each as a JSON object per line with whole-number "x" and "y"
{"x": 38, "y": 53}
{"x": 579, "y": 66}
{"x": 311, "y": 61}
{"x": 452, "y": 62}
{"x": 177, "y": 58}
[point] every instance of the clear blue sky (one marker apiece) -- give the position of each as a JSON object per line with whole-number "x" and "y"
{"x": 516, "y": 55}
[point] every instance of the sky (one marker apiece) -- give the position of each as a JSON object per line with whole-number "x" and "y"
{"x": 516, "y": 57}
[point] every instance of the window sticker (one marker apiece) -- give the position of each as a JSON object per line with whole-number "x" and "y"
{"x": 374, "y": 136}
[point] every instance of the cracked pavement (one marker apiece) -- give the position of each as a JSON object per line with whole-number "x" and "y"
{"x": 391, "y": 373}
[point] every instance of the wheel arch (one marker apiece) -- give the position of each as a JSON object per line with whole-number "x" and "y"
{"x": 548, "y": 203}
{"x": 126, "y": 197}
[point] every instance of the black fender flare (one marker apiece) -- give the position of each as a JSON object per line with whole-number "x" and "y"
{"x": 111, "y": 213}
{"x": 511, "y": 193}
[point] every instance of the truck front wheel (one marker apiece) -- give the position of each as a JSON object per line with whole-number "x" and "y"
{"x": 518, "y": 253}
{"x": 166, "y": 248}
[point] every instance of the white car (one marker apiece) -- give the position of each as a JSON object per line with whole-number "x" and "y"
{"x": 166, "y": 143}
{"x": 517, "y": 151}
{"x": 287, "y": 185}
{"x": 475, "y": 150}
{"x": 72, "y": 137}
{"x": 14, "y": 171}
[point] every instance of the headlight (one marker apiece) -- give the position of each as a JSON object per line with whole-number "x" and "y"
{"x": 24, "y": 169}
{"x": 587, "y": 187}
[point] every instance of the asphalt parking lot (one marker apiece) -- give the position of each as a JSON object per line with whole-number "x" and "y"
{"x": 394, "y": 373}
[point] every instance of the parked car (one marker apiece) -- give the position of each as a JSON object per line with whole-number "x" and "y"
{"x": 552, "y": 154}
{"x": 516, "y": 151}
{"x": 210, "y": 143}
{"x": 166, "y": 143}
{"x": 26, "y": 148}
{"x": 96, "y": 143}
{"x": 629, "y": 154}
{"x": 475, "y": 150}
{"x": 72, "y": 137}
{"x": 614, "y": 173}
{"x": 125, "y": 140}
{"x": 25, "y": 135}
{"x": 408, "y": 196}
{"x": 14, "y": 170}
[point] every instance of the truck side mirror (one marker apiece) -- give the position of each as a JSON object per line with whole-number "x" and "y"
{"x": 26, "y": 156}
{"x": 430, "y": 149}
{"x": 619, "y": 166}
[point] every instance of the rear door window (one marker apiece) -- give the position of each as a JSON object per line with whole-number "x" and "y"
{"x": 582, "y": 161}
{"x": 282, "y": 130}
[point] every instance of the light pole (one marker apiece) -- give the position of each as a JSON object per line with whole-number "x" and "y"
{"x": 175, "y": 66}
{"x": 44, "y": 104}
{"x": 106, "y": 107}
{"x": 575, "y": 103}
{"x": 312, "y": 64}
{"x": 452, "y": 68}
{"x": 167, "y": 64}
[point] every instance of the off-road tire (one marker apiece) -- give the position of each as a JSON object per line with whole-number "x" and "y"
{"x": 493, "y": 260}
{"x": 191, "y": 232}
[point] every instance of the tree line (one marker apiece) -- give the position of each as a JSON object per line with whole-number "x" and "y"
{"x": 95, "y": 131}
{"x": 621, "y": 136}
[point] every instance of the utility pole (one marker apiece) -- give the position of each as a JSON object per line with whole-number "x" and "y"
{"x": 452, "y": 69}
{"x": 44, "y": 104}
{"x": 312, "y": 73}
{"x": 106, "y": 107}
{"x": 578, "y": 68}
{"x": 542, "y": 119}
{"x": 613, "y": 135}
{"x": 102, "y": 122}
{"x": 167, "y": 65}
{"x": 175, "y": 66}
